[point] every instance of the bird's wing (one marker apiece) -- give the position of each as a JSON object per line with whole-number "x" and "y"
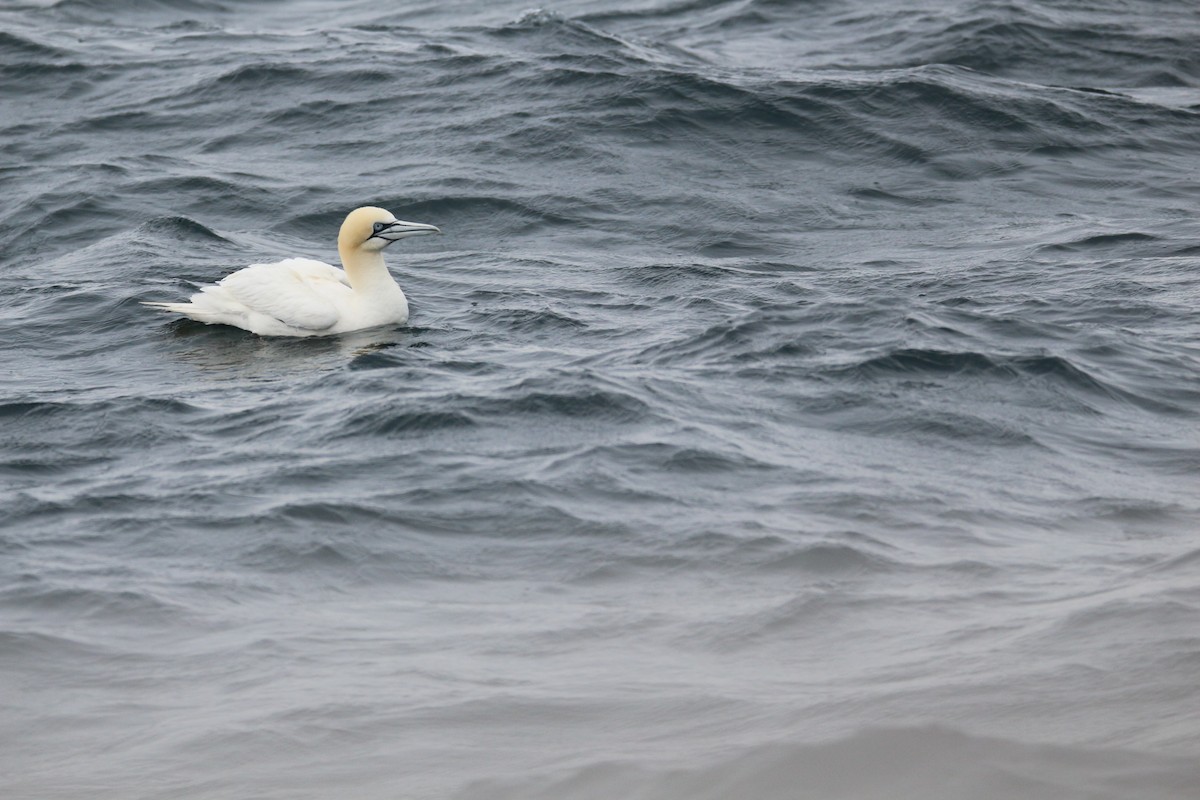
{"x": 316, "y": 270}
{"x": 290, "y": 291}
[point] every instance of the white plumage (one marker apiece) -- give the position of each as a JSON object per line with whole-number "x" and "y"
{"x": 303, "y": 297}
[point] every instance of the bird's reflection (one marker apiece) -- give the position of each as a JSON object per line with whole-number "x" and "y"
{"x": 225, "y": 353}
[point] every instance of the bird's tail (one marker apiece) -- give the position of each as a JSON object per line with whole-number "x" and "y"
{"x": 178, "y": 308}
{"x": 190, "y": 310}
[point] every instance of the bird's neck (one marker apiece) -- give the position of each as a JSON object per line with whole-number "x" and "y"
{"x": 364, "y": 269}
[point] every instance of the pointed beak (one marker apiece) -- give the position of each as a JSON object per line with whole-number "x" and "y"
{"x": 401, "y": 229}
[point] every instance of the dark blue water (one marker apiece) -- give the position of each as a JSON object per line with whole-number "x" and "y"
{"x": 804, "y": 402}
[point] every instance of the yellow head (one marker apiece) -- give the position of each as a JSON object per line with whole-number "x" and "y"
{"x": 372, "y": 229}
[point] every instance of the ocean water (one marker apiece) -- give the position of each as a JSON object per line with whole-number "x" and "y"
{"x": 803, "y": 402}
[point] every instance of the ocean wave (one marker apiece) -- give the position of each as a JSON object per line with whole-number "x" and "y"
{"x": 31, "y": 78}
{"x": 1101, "y": 241}
{"x": 909, "y": 762}
{"x": 1015, "y": 40}
{"x": 827, "y": 558}
{"x": 140, "y": 7}
{"x": 889, "y": 116}
{"x": 47, "y": 649}
{"x": 185, "y": 228}
{"x": 79, "y": 602}
{"x": 61, "y": 412}
{"x": 762, "y": 336}
{"x": 584, "y": 403}
{"x": 14, "y": 46}
{"x": 619, "y": 88}
{"x": 1022, "y": 40}
{"x": 288, "y": 558}
{"x": 667, "y": 457}
{"x": 966, "y": 430}
{"x": 1055, "y": 370}
{"x": 532, "y": 320}
{"x": 403, "y": 422}
{"x": 567, "y": 34}
{"x": 919, "y": 361}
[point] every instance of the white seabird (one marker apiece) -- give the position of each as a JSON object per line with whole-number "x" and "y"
{"x": 303, "y": 297}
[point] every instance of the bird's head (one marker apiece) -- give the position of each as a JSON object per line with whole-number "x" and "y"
{"x": 372, "y": 229}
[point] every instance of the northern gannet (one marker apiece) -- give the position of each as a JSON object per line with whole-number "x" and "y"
{"x": 303, "y": 297}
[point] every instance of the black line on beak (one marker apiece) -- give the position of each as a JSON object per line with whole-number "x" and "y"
{"x": 379, "y": 233}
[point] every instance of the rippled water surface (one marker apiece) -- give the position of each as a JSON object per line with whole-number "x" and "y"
{"x": 804, "y": 402}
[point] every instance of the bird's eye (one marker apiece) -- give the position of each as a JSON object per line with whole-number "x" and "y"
{"x": 379, "y": 226}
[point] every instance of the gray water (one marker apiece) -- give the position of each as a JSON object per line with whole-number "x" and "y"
{"x": 802, "y": 402}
